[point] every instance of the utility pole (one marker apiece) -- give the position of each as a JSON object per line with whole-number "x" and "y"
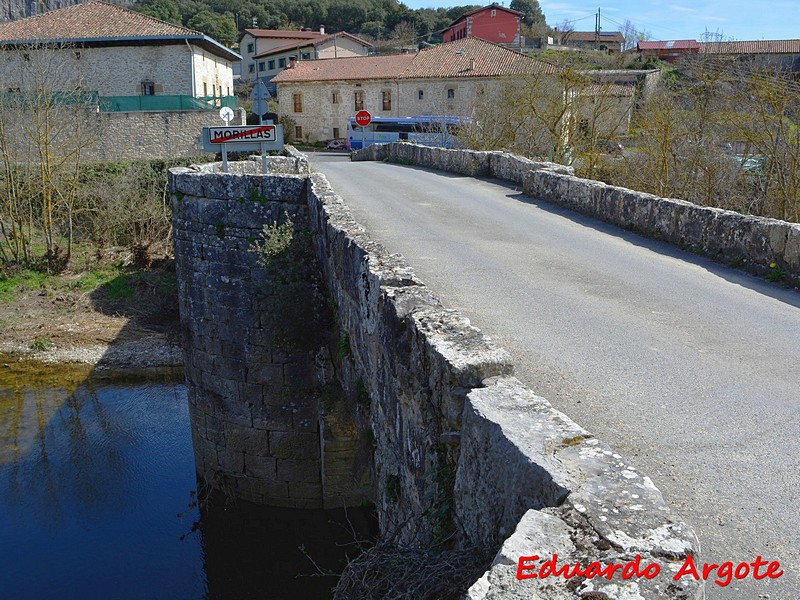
{"x": 597, "y": 30}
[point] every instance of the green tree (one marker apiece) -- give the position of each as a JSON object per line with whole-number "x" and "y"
{"x": 220, "y": 27}
{"x": 533, "y": 13}
{"x": 165, "y": 10}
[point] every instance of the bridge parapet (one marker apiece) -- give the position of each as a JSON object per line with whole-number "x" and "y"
{"x": 757, "y": 243}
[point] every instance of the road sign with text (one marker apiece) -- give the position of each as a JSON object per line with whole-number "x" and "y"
{"x": 363, "y": 118}
{"x": 243, "y": 138}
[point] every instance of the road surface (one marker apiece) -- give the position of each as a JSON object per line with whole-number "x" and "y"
{"x": 687, "y": 367}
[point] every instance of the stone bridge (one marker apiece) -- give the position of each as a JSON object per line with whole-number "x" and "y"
{"x": 323, "y": 373}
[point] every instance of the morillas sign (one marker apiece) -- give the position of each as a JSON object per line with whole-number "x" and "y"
{"x": 243, "y": 138}
{"x": 241, "y": 135}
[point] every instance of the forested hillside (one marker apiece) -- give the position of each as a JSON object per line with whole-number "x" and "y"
{"x": 379, "y": 19}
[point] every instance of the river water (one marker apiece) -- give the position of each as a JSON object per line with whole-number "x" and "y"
{"x": 98, "y": 499}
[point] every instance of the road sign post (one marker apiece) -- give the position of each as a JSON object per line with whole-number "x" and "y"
{"x": 260, "y": 95}
{"x": 363, "y": 119}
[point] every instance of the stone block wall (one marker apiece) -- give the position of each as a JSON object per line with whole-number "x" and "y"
{"x": 723, "y": 235}
{"x": 256, "y": 347}
{"x": 144, "y": 135}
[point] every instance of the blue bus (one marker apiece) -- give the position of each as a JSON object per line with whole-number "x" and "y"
{"x": 426, "y": 130}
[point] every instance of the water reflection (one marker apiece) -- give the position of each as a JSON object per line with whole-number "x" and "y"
{"x": 97, "y": 500}
{"x": 93, "y": 475}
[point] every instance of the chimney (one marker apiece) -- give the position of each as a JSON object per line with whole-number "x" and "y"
{"x": 472, "y": 65}
{"x": 292, "y": 62}
{"x": 322, "y": 29}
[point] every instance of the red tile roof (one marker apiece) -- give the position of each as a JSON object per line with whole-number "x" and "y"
{"x": 289, "y": 34}
{"x": 344, "y": 69}
{"x": 302, "y": 43}
{"x": 92, "y": 20}
{"x": 669, "y": 45}
{"x": 97, "y": 21}
{"x": 470, "y": 57}
{"x": 754, "y": 47}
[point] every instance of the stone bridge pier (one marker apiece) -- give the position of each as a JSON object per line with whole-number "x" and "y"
{"x": 257, "y": 347}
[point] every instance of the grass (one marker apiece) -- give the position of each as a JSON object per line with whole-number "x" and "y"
{"x": 11, "y": 287}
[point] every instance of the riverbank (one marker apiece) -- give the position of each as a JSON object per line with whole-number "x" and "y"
{"x": 107, "y": 317}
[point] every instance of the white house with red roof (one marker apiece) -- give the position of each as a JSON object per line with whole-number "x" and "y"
{"x": 114, "y": 51}
{"x": 320, "y": 95}
{"x": 266, "y": 52}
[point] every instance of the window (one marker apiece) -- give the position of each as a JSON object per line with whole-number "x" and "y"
{"x": 451, "y": 93}
{"x": 298, "y": 132}
{"x": 336, "y": 132}
{"x": 205, "y": 89}
{"x": 252, "y": 68}
{"x": 250, "y": 47}
{"x": 420, "y": 95}
{"x": 148, "y": 88}
{"x": 335, "y": 98}
{"x": 297, "y": 102}
{"x": 305, "y": 56}
{"x": 359, "y": 100}
{"x": 261, "y": 67}
{"x": 78, "y": 54}
{"x": 387, "y": 100}
{"x": 272, "y": 65}
{"x": 494, "y": 13}
{"x": 281, "y": 63}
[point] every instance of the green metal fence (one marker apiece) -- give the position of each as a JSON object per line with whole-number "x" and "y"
{"x": 158, "y": 103}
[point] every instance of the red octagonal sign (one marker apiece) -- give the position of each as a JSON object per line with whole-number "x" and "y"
{"x": 363, "y": 118}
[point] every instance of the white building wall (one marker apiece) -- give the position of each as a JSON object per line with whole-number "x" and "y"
{"x": 117, "y": 70}
{"x": 320, "y": 115}
{"x": 213, "y": 74}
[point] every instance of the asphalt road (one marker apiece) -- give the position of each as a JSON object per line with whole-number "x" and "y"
{"x": 689, "y": 368}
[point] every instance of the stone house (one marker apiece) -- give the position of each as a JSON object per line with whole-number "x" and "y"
{"x": 781, "y": 54}
{"x": 320, "y": 95}
{"x": 113, "y": 51}
{"x": 668, "y": 51}
{"x": 611, "y": 41}
{"x": 492, "y": 23}
{"x": 266, "y": 52}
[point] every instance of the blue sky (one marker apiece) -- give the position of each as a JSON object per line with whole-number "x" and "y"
{"x": 682, "y": 19}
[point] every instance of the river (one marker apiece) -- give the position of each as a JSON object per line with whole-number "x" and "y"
{"x": 98, "y": 499}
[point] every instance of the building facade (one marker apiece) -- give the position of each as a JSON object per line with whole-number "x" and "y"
{"x": 668, "y": 51}
{"x": 320, "y": 96}
{"x": 106, "y": 49}
{"x": 266, "y": 52}
{"x": 610, "y": 41}
{"x": 492, "y": 23}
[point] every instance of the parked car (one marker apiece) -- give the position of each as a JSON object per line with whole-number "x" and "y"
{"x": 335, "y": 145}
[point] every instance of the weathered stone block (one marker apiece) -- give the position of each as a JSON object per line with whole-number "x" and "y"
{"x": 299, "y": 471}
{"x": 293, "y": 444}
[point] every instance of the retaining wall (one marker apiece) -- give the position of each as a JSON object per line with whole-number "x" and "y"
{"x": 723, "y": 235}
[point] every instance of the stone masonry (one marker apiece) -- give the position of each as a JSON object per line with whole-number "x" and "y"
{"x": 458, "y": 446}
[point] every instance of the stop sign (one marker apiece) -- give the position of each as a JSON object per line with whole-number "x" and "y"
{"x": 363, "y": 118}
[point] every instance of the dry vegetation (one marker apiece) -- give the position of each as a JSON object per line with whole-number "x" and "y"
{"x": 714, "y": 132}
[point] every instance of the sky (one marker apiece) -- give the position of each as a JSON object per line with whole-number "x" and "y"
{"x": 679, "y": 20}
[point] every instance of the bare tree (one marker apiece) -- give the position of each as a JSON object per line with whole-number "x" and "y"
{"x": 43, "y": 132}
